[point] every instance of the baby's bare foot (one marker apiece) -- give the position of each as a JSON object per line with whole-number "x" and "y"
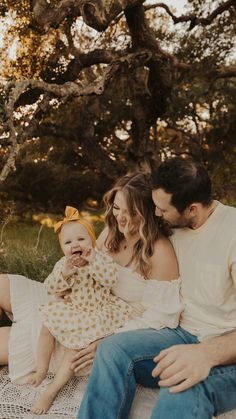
{"x": 44, "y": 402}
{"x": 36, "y": 378}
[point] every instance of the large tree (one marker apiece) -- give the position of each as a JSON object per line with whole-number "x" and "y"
{"x": 93, "y": 88}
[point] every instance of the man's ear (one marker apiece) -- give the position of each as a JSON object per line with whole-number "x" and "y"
{"x": 192, "y": 210}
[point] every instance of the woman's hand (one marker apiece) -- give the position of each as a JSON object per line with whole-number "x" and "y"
{"x": 84, "y": 357}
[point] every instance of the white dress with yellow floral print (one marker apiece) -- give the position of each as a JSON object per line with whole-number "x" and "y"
{"x": 91, "y": 311}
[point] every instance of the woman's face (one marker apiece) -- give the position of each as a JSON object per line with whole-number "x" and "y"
{"x": 127, "y": 223}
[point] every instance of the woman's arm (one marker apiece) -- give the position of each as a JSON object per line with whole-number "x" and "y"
{"x": 84, "y": 357}
{"x": 164, "y": 265}
{"x": 161, "y": 298}
{"x": 162, "y": 306}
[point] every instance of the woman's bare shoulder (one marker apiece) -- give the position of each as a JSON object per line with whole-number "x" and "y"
{"x": 163, "y": 244}
{"x": 163, "y": 261}
{"x": 101, "y": 239}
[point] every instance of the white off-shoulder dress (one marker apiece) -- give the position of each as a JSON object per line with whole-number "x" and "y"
{"x": 154, "y": 303}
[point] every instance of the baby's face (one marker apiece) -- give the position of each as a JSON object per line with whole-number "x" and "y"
{"x": 74, "y": 238}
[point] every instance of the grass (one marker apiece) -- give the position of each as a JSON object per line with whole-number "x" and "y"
{"x": 31, "y": 248}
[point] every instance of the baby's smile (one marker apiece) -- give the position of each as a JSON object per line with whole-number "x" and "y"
{"x": 77, "y": 252}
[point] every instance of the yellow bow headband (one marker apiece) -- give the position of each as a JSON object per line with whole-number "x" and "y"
{"x": 72, "y": 214}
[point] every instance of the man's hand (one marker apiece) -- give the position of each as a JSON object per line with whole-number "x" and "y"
{"x": 84, "y": 357}
{"x": 182, "y": 366}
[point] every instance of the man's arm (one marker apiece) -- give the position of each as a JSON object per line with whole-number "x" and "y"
{"x": 182, "y": 366}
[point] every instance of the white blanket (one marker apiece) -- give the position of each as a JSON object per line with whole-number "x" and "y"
{"x": 16, "y": 400}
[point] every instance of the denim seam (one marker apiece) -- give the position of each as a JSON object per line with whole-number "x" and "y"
{"x": 197, "y": 403}
{"x": 219, "y": 371}
{"x": 145, "y": 358}
{"x": 131, "y": 367}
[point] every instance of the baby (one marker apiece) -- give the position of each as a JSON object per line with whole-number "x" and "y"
{"x": 87, "y": 312}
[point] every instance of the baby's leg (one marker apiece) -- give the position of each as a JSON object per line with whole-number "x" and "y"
{"x": 4, "y": 340}
{"x": 63, "y": 375}
{"x": 44, "y": 353}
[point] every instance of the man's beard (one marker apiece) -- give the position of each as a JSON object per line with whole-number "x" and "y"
{"x": 180, "y": 223}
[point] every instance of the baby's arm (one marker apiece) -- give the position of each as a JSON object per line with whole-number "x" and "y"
{"x": 103, "y": 269}
{"x": 57, "y": 282}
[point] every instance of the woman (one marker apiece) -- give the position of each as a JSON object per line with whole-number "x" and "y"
{"x": 148, "y": 271}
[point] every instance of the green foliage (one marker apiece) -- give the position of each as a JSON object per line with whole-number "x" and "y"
{"x": 147, "y": 110}
{"x": 31, "y": 249}
{"x": 51, "y": 187}
{"x": 28, "y": 250}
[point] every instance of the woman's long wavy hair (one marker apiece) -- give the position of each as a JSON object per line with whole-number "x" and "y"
{"x": 137, "y": 190}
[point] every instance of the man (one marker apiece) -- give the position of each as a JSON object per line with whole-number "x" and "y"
{"x": 193, "y": 364}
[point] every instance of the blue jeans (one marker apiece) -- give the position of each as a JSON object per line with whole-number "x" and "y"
{"x": 125, "y": 359}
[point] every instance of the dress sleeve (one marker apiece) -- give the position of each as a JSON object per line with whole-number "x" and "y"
{"x": 55, "y": 282}
{"x": 162, "y": 306}
{"x": 103, "y": 269}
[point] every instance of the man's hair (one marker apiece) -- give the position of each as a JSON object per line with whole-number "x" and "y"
{"x": 186, "y": 180}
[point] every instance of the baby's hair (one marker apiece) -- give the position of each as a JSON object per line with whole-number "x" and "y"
{"x": 72, "y": 215}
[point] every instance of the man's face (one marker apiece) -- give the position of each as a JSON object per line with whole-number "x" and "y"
{"x": 167, "y": 211}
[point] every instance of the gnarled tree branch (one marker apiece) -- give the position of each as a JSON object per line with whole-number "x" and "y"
{"x": 48, "y": 15}
{"x": 14, "y": 91}
{"x": 192, "y": 17}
